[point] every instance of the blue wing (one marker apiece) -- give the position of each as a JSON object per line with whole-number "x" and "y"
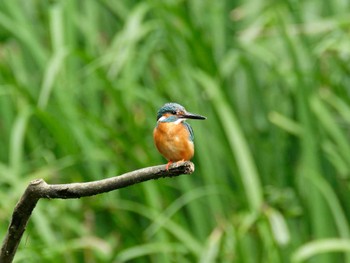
{"x": 190, "y": 130}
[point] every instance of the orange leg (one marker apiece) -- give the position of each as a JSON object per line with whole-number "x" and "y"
{"x": 168, "y": 164}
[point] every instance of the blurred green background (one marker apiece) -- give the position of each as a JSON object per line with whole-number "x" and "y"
{"x": 80, "y": 85}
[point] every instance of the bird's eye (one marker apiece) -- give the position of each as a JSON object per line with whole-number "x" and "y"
{"x": 173, "y": 112}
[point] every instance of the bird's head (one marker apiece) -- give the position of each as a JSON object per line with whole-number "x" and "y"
{"x": 174, "y": 112}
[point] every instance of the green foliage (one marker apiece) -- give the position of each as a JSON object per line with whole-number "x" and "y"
{"x": 80, "y": 85}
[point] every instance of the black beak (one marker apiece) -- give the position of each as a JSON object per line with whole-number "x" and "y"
{"x": 189, "y": 115}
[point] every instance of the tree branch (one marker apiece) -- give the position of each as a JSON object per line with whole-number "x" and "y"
{"x": 40, "y": 189}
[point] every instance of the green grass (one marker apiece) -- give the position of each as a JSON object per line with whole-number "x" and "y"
{"x": 80, "y": 85}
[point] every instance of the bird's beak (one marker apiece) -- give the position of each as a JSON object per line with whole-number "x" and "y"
{"x": 189, "y": 115}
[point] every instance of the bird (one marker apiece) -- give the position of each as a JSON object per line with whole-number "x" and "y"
{"x": 173, "y": 136}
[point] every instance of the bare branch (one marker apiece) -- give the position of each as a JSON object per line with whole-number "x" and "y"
{"x": 40, "y": 189}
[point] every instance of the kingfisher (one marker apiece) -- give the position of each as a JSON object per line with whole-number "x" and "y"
{"x": 173, "y": 136}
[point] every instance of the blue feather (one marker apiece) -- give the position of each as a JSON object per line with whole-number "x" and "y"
{"x": 190, "y": 130}
{"x": 169, "y": 108}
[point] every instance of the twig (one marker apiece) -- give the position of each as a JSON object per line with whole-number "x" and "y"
{"x": 40, "y": 189}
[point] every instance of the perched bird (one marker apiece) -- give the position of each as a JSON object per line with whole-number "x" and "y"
{"x": 173, "y": 136}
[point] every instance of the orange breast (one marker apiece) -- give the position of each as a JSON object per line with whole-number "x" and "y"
{"x": 172, "y": 141}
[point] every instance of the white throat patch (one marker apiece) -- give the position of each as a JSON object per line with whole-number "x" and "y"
{"x": 163, "y": 118}
{"x": 179, "y": 121}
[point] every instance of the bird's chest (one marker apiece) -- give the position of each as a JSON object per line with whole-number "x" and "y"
{"x": 173, "y": 141}
{"x": 171, "y": 132}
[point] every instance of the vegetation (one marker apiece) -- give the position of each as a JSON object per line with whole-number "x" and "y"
{"x": 80, "y": 84}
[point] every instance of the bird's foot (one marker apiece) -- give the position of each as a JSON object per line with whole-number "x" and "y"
{"x": 168, "y": 164}
{"x": 171, "y": 162}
